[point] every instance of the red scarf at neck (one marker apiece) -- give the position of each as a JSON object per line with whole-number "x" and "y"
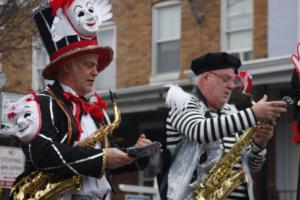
{"x": 95, "y": 109}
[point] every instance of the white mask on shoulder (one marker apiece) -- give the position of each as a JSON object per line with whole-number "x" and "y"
{"x": 25, "y": 117}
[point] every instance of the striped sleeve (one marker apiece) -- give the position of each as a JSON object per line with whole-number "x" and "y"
{"x": 256, "y": 157}
{"x": 193, "y": 124}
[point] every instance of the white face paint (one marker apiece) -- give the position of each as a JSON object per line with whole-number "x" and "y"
{"x": 27, "y": 122}
{"x": 83, "y": 18}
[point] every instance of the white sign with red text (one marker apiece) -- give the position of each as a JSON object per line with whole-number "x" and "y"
{"x": 12, "y": 162}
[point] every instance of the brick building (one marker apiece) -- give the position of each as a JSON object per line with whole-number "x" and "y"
{"x": 154, "y": 42}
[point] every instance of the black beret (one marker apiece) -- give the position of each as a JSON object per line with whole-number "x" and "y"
{"x": 214, "y": 61}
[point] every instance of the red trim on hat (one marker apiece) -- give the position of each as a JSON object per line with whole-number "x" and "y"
{"x": 105, "y": 55}
{"x": 70, "y": 47}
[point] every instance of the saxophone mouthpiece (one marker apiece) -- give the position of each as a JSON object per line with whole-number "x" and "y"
{"x": 288, "y": 100}
{"x": 113, "y": 96}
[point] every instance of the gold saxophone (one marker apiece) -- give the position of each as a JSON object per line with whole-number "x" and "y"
{"x": 42, "y": 185}
{"x": 221, "y": 180}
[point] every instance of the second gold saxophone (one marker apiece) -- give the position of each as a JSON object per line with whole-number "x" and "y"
{"x": 220, "y": 181}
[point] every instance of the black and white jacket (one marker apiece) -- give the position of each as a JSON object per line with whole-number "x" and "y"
{"x": 53, "y": 148}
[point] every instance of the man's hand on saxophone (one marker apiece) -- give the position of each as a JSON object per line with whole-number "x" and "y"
{"x": 263, "y": 134}
{"x": 267, "y": 112}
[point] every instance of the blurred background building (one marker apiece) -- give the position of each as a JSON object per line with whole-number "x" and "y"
{"x": 154, "y": 42}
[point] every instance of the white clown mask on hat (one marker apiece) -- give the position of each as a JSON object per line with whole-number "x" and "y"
{"x": 82, "y": 17}
{"x": 69, "y": 30}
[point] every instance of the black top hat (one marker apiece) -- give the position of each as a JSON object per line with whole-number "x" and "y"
{"x": 68, "y": 47}
{"x": 214, "y": 61}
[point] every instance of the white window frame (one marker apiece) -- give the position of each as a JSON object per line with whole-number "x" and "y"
{"x": 155, "y": 76}
{"x": 298, "y": 20}
{"x": 224, "y": 33}
{"x": 37, "y": 81}
{"x": 110, "y": 25}
{"x": 2, "y": 3}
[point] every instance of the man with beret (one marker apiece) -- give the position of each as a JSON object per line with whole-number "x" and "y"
{"x": 201, "y": 127}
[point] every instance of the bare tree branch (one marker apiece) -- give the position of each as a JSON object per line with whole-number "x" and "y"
{"x": 16, "y": 25}
{"x": 17, "y": 29}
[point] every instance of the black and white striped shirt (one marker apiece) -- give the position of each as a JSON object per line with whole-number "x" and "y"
{"x": 199, "y": 124}
{"x": 193, "y": 124}
{"x": 240, "y": 193}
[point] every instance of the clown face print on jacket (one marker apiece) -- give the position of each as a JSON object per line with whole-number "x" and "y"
{"x": 81, "y": 15}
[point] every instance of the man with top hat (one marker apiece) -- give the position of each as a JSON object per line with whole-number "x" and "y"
{"x": 50, "y": 124}
{"x": 201, "y": 126}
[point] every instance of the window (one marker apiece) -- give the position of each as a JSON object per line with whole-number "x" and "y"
{"x": 166, "y": 30}
{"x": 107, "y": 78}
{"x": 3, "y": 4}
{"x": 237, "y": 26}
{"x": 18, "y": 2}
{"x": 39, "y": 61}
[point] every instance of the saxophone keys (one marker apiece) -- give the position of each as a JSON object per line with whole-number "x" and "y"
{"x": 215, "y": 181}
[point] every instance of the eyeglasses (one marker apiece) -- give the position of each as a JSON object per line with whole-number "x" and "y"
{"x": 224, "y": 78}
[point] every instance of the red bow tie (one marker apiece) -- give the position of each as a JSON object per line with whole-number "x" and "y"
{"x": 84, "y": 105}
{"x": 94, "y": 109}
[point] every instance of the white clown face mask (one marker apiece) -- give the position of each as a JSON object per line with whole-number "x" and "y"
{"x": 81, "y": 14}
{"x": 26, "y": 120}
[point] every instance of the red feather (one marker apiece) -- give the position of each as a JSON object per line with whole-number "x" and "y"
{"x": 56, "y": 4}
{"x": 296, "y": 137}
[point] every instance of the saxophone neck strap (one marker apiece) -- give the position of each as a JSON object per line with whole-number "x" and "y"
{"x": 71, "y": 127}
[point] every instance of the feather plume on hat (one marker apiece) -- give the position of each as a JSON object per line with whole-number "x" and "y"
{"x": 176, "y": 97}
{"x": 56, "y": 4}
